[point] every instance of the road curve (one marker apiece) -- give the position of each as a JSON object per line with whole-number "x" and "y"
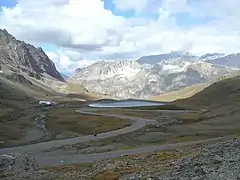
{"x": 48, "y": 161}
{"x": 45, "y": 160}
{"x": 138, "y": 123}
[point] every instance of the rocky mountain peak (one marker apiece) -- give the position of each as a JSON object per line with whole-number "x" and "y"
{"x": 129, "y": 79}
{"x": 19, "y": 56}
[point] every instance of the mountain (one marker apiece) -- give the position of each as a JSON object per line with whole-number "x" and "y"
{"x": 129, "y": 79}
{"x": 211, "y": 56}
{"x": 153, "y": 59}
{"x": 231, "y": 60}
{"x": 22, "y": 58}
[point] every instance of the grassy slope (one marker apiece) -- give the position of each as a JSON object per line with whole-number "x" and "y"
{"x": 18, "y": 107}
{"x": 180, "y": 94}
{"x": 15, "y": 109}
{"x": 64, "y": 120}
{"x": 223, "y": 93}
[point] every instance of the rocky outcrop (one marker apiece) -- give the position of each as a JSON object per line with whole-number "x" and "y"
{"x": 22, "y": 166}
{"x": 19, "y": 56}
{"x": 219, "y": 161}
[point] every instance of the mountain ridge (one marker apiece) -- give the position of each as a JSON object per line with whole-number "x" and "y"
{"x": 129, "y": 79}
{"x": 18, "y": 56}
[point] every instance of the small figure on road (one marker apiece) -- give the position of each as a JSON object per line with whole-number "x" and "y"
{"x": 95, "y": 134}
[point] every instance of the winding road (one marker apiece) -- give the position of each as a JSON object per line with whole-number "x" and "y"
{"x": 45, "y": 160}
{"x": 138, "y": 123}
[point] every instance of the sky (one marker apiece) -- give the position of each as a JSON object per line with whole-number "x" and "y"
{"x": 77, "y": 33}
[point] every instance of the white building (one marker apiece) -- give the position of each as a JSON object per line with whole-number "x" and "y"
{"x": 46, "y": 103}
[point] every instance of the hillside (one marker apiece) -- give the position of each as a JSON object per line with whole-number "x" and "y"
{"x": 224, "y": 94}
{"x": 180, "y": 94}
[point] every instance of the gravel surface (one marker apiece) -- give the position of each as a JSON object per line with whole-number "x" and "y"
{"x": 217, "y": 161}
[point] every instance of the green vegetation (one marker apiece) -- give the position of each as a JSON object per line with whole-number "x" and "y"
{"x": 60, "y": 120}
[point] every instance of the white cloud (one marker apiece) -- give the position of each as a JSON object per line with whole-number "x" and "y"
{"x": 83, "y": 29}
{"x": 68, "y": 61}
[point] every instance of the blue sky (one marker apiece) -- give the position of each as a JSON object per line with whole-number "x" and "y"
{"x": 8, "y": 3}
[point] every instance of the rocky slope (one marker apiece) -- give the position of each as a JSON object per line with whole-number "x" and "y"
{"x": 129, "y": 79}
{"x": 217, "y": 161}
{"x": 22, "y": 58}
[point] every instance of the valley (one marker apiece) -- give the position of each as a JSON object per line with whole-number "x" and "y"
{"x": 99, "y": 124}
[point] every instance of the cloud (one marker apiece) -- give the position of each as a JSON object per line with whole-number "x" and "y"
{"x": 68, "y": 61}
{"x": 90, "y": 30}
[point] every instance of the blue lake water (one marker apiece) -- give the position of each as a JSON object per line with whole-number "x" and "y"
{"x": 125, "y": 103}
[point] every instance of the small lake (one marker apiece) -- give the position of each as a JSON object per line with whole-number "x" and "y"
{"x": 125, "y": 103}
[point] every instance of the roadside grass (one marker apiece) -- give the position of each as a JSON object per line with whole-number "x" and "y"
{"x": 192, "y": 117}
{"x": 60, "y": 120}
{"x": 129, "y": 112}
{"x": 125, "y": 165}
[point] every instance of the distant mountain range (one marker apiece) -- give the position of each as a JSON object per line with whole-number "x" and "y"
{"x": 230, "y": 60}
{"x": 130, "y": 79}
{"x": 153, "y": 59}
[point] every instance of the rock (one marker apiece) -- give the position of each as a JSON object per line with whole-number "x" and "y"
{"x": 218, "y": 158}
{"x": 22, "y": 166}
{"x": 18, "y": 163}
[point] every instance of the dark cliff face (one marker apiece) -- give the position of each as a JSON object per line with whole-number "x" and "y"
{"x": 20, "y": 56}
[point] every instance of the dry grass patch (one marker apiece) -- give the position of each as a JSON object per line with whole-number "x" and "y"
{"x": 66, "y": 169}
{"x": 180, "y": 94}
{"x": 114, "y": 174}
{"x": 66, "y": 119}
{"x": 192, "y": 117}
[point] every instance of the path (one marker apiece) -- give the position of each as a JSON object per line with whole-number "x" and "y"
{"x": 138, "y": 123}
